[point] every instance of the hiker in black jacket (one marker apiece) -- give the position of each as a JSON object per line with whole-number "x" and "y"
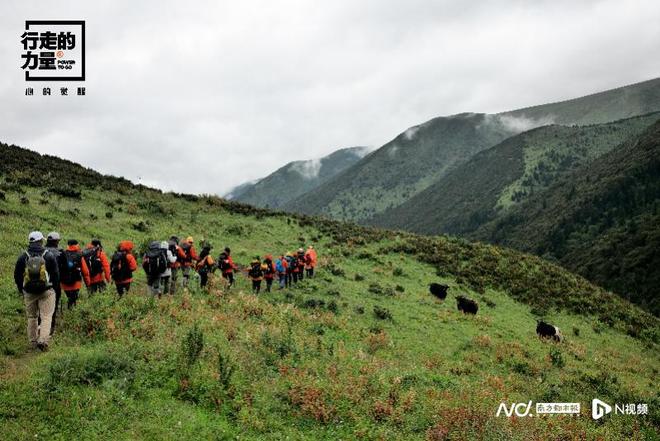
{"x": 53, "y": 245}
{"x": 35, "y": 274}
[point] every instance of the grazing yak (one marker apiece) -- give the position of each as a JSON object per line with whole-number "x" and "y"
{"x": 438, "y": 290}
{"x": 546, "y": 330}
{"x": 466, "y": 306}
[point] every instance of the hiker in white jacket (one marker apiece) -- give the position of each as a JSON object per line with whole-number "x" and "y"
{"x": 167, "y": 274}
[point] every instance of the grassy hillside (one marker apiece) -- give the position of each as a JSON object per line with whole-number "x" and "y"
{"x": 403, "y": 167}
{"x": 487, "y": 186}
{"x": 601, "y": 221}
{"x": 362, "y": 351}
{"x": 610, "y": 105}
{"x": 422, "y": 155}
{"x": 296, "y": 178}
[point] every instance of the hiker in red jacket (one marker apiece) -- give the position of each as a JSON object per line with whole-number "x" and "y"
{"x": 188, "y": 258}
{"x": 73, "y": 271}
{"x": 98, "y": 265}
{"x": 123, "y": 266}
{"x": 227, "y": 266}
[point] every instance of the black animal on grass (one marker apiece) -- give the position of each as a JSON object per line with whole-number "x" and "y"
{"x": 438, "y": 290}
{"x": 466, "y": 306}
{"x": 546, "y": 330}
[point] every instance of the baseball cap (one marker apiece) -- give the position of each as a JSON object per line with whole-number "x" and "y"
{"x": 53, "y": 235}
{"x": 35, "y": 236}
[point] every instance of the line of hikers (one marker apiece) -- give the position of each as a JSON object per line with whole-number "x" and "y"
{"x": 43, "y": 272}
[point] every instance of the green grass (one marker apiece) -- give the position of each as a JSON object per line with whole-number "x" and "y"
{"x": 313, "y": 362}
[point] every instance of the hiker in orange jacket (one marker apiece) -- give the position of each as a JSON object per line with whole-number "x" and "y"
{"x": 122, "y": 266}
{"x": 98, "y": 265}
{"x": 310, "y": 261}
{"x": 205, "y": 265}
{"x": 188, "y": 257}
{"x": 269, "y": 271}
{"x": 73, "y": 271}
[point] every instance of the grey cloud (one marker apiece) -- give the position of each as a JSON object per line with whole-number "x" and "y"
{"x": 200, "y": 96}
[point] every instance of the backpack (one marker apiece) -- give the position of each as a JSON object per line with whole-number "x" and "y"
{"x": 279, "y": 266}
{"x": 155, "y": 260}
{"x": 270, "y": 269}
{"x": 293, "y": 262}
{"x": 223, "y": 262}
{"x": 36, "y": 279}
{"x": 92, "y": 258}
{"x": 71, "y": 267}
{"x": 119, "y": 268}
{"x": 186, "y": 247}
{"x": 256, "y": 271}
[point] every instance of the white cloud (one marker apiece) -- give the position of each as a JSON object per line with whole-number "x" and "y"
{"x": 201, "y": 96}
{"x": 307, "y": 169}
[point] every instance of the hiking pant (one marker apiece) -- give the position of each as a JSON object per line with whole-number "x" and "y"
{"x": 58, "y": 296}
{"x": 230, "y": 277}
{"x": 256, "y": 286}
{"x": 165, "y": 285}
{"x": 301, "y": 272}
{"x": 186, "y": 275}
{"x": 282, "y": 280}
{"x": 39, "y": 305}
{"x": 173, "y": 279}
{"x": 203, "y": 278}
{"x": 289, "y": 278}
{"x": 269, "y": 284}
{"x": 97, "y": 287}
{"x": 154, "y": 286}
{"x": 310, "y": 272}
{"x": 295, "y": 277}
{"x": 123, "y": 288}
{"x": 72, "y": 298}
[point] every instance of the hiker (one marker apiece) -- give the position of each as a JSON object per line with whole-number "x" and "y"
{"x": 53, "y": 246}
{"x": 301, "y": 264}
{"x": 175, "y": 267}
{"x": 187, "y": 257}
{"x": 154, "y": 264}
{"x": 256, "y": 274}
{"x": 122, "y": 266}
{"x": 291, "y": 269}
{"x": 310, "y": 261}
{"x": 35, "y": 275}
{"x": 167, "y": 285}
{"x": 280, "y": 267}
{"x": 98, "y": 265}
{"x": 269, "y": 271}
{"x": 73, "y": 272}
{"x": 205, "y": 265}
{"x": 227, "y": 266}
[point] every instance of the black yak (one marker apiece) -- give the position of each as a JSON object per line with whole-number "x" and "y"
{"x": 467, "y": 306}
{"x": 438, "y": 290}
{"x": 546, "y": 330}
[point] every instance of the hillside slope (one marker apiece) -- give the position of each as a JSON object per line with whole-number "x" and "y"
{"x": 492, "y": 182}
{"x": 600, "y": 221}
{"x": 424, "y": 154}
{"x": 360, "y": 351}
{"x": 296, "y": 178}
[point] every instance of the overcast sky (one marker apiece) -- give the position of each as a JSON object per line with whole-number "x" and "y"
{"x": 199, "y": 96}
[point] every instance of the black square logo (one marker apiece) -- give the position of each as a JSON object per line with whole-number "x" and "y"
{"x": 53, "y": 50}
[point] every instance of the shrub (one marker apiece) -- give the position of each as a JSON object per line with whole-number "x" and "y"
{"x": 24, "y": 200}
{"x": 397, "y": 272}
{"x": 141, "y": 226}
{"x": 399, "y": 288}
{"x": 382, "y": 313}
{"x": 359, "y": 309}
{"x": 108, "y": 214}
{"x": 90, "y": 368}
{"x": 557, "y": 358}
{"x": 225, "y": 371}
{"x": 359, "y": 277}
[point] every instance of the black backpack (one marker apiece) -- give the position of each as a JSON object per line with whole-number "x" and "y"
{"x": 256, "y": 271}
{"x": 223, "y": 262}
{"x": 119, "y": 268}
{"x": 71, "y": 271}
{"x": 270, "y": 268}
{"x": 92, "y": 257}
{"x": 155, "y": 260}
